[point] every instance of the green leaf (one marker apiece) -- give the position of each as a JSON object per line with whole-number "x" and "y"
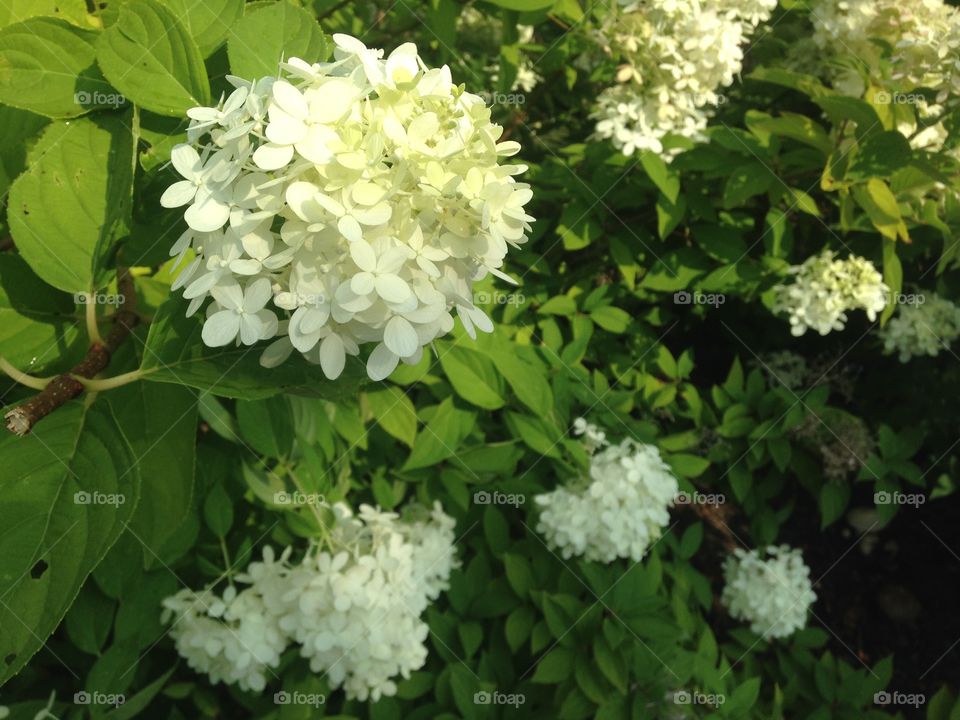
{"x": 881, "y": 155}
{"x": 208, "y": 22}
{"x": 745, "y": 181}
{"x": 151, "y": 58}
{"x": 555, "y": 667}
{"x": 273, "y": 33}
{"x": 892, "y": 276}
{"x": 790, "y": 125}
{"x": 880, "y": 204}
{"x": 472, "y": 375}
{"x": 47, "y": 66}
{"x": 666, "y": 180}
{"x": 690, "y": 542}
{"x": 67, "y": 211}
{"x": 174, "y": 353}
{"x": 611, "y": 319}
{"x": 577, "y": 226}
{"x": 519, "y": 574}
{"x": 14, "y": 11}
{"x": 161, "y": 426}
{"x": 37, "y": 322}
{"x": 440, "y": 437}
{"x": 267, "y": 425}
{"x": 68, "y": 489}
{"x": 218, "y": 510}
{"x": 528, "y": 384}
{"x": 394, "y": 412}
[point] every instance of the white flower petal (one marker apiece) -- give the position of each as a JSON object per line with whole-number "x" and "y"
{"x": 381, "y": 362}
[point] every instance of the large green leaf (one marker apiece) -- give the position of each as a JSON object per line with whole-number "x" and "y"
{"x": 69, "y": 208}
{"x": 48, "y": 66}
{"x": 19, "y": 127}
{"x": 160, "y": 423}
{"x": 472, "y": 375}
{"x": 14, "y": 11}
{"x": 68, "y": 489}
{"x": 37, "y": 323}
{"x": 268, "y": 35}
{"x": 175, "y": 353}
{"x": 208, "y": 22}
{"x": 151, "y": 58}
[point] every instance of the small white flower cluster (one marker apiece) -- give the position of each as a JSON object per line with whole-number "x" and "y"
{"x": 362, "y": 197}
{"x": 825, "y": 288}
{"x": 354, "y": 609}
{"x": 677, "y": 55}
{"x": 593, "y": 437}
{"x": 770, "y": 589}
{"x": 923, "y": 37}
{"x": 619, "y": 514}
{"x": 922, "y": 329}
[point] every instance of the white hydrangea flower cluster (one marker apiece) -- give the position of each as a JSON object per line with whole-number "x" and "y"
{"x": 677, "y": 55}
{"x": 621, "y": 511}
{"x": 345, "y": 203}
{"x": 825, "y": 288}
{"x": 770, "y": 589}
{"x": 924, "y": 36}
{"x": 353, "y": 606}
{"x": 922, "y": 329}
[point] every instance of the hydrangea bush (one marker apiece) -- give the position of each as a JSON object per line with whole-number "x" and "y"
{"x": 699, "y": 461}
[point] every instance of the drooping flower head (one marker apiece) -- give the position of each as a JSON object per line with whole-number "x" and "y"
{"x": 343, "y": 203}
{"x": 922, "y": 328}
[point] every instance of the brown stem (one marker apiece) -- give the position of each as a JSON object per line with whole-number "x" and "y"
{"x": 64, "y": 388}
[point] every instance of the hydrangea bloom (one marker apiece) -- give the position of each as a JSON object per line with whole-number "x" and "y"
{"x": 825, "y": 288}
{"x": 677, "y": 54}
{"x": 923, "y": 37}
{"x": 769, "y": 588}
{"x": 620, "y": 512}
{"x": 923, "y": 329}
{"x": 345, "y": 203}
{"x": 353, "y": 606}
